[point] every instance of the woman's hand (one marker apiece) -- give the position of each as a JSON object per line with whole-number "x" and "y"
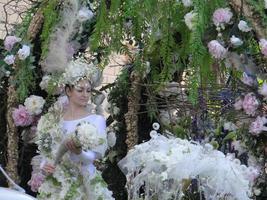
{"x": 49, "y": 168}
{"x": 70, "y": 144}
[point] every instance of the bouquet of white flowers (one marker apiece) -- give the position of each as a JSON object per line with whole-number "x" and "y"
{"x": 85, "y": 136}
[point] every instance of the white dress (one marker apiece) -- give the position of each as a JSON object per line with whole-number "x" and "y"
{"x": 75, "y": 177}
{"x": 86, "y": 158}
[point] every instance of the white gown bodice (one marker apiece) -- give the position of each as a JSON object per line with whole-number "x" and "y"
{"x": 86, "y": 158}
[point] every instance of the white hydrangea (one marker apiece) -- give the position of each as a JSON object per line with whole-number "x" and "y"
{"x": 76, "y": 70}
{"x": 235, "y": 41}
{"x": 187, "y": 3}
{"x": 34, "y": 104}
{"x": 24, "y": 52}
{"x": 243, "y": 26}
{"x": 85, "y": 14}
{"x": 9, "y": 59}
{"x": 44, "y": 83}
{"x": 88, "y": 136}
{"x": 189, "y": 19}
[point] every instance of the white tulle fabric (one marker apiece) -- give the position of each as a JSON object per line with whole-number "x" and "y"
{"x": 162, "y": 165}
{"x": 87, "y": 157}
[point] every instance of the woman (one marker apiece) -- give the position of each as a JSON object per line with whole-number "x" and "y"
{"x": 75, "y": 177}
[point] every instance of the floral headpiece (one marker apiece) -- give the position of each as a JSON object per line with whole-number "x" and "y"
{"x": 79, "y": 70}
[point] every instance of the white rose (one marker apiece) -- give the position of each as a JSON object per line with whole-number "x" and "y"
{"x": 24, "y": 52}
{"x": 111, "y": 137}
{"x": 265, "y": 2}
{"x": 243, "y": 26}
{"x": 187, "y": 3}
{"x": 236, "y": 41}
{"x": 10, "y": 59}
{"x": 44, "y": 83}
{"x": 85, "y": 14}
{"x": 189, "y": 20}
{"x": 34, "y": 104}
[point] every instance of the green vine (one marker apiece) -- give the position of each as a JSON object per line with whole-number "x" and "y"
{"x": 51, "y": 18}
{"x": 25, "y": 78}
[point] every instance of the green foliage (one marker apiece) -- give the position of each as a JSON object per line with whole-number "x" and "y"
{"x": 21, "y": 29}
{"x": 51, "y": 18}
{"x": 25, "y": 78}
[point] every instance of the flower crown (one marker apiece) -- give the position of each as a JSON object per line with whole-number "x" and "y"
{"x": 80, "y": 70}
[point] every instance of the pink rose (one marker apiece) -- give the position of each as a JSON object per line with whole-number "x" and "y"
{"x": 216, "y": 49}
{"x": 21, "y": 116}
{"x": 263, "y": 46}
{"x": 10, "y": 41}
{"x": 238, "y": 104}
{"x": 257, "y": 126}
{"x": 250, "y": 104}
{"x": 36, "y": 181}
{"x": 222, "y": 16}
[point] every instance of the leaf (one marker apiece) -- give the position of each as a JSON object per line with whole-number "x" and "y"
{"x": 230, "y": 136}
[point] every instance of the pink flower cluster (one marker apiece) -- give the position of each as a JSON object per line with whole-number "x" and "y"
{"x": 222, "y": 16}
{"x": 36, "y": 181}
{"x": 263, "y": 46}
{"x": 21, "y": 116}
{"x": 257, "y": 126}
{"x": 216, "y": 49}
{"x": 249, "y": 104}
{"x": 10, "y": 41}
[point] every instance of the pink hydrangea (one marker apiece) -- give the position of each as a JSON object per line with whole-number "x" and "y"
{"x": 21, "y": 116}
{"x": 257, "y": 126}
{"x": 263, "y": 46}
{"x": 222, "y": 16}
{"x": 10, "y": 41}
{"x": 36, "y": 181}
{"x": 238, "y": 104}
{"x": 216, "y": 49}
{"x": 250, "y": 104}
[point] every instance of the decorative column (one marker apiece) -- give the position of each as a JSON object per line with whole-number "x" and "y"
{"x": 12, "y": 135}
{"x": 131, "y": 117}
{"x": 255, "y": 19}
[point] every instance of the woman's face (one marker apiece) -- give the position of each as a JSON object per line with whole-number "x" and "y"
{"x": 80, "y": 93}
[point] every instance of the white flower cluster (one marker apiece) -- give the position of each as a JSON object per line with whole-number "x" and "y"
{"x": 87, "y": 136}
{"x": 34, "y": 104}
{"x": 162, "y": 162}
{"x": 77, "y": 70}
